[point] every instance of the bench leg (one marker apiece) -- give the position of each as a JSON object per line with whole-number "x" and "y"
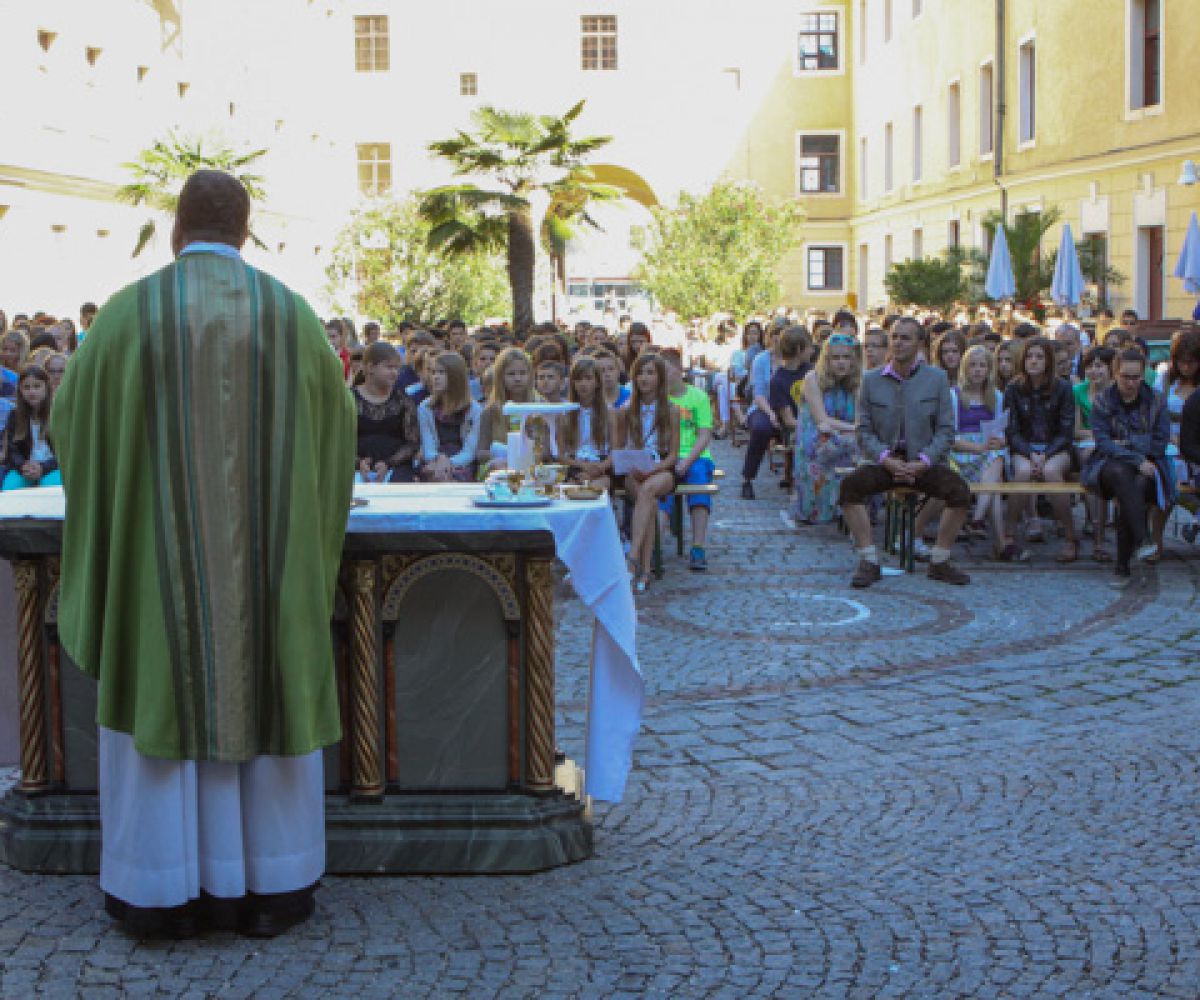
{"x": 656, "y": 561}
{"x": 677, "y": 522}
{"x": 910, "y": 531}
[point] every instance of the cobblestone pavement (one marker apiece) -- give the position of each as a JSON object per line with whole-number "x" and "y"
{"x": 913, "y": 791}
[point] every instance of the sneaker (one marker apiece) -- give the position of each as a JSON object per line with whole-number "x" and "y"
{"x": 921, "y": 550}
{"x": 947, "y": 572}
{"x": 699, "y": 562}
{"x": 866, "y": 574}
{"x": 1147, "y": 551}
{"x": 789, "y": 522}
{"x": 747, "y": 490}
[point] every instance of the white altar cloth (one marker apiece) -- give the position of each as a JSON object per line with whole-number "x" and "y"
{"x": 585, "y": 539}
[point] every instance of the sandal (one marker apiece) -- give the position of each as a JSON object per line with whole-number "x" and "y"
{"x": 1069, "y": 552}
{"x": 640, "y": 584}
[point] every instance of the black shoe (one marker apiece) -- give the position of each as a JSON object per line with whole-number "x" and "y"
{"x": 747, "y": 490}
{"x": 219, "y": 913}
{"x": 163, "y": 922}
{"x": 1121, "y": 579}
{"x": 269, "y": 915}
{"x": 946, "y": 572}
{"x": 867, "y": 573}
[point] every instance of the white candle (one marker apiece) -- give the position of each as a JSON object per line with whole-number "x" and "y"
{"x": 516, "y": 452}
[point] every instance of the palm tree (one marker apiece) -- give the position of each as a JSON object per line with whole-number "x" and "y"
{"x": 159, "y": 173}
{"x": 520, "y": 154}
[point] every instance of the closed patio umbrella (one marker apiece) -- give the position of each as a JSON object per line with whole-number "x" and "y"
{"x": 1067, "y": 287}
{"x": 1000, "y": 282}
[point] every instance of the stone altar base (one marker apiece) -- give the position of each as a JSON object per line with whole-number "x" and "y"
{"x": 406, "y": 834}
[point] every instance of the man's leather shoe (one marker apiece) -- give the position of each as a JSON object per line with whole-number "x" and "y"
{"x": 173, "y": 922}
{"x": 269, "y": 915}
{"x": 947, "y": 572}
{"x": 866, "y": 574}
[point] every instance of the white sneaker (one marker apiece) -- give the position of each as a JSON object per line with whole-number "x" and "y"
{"x": 921, "y": 550}
{"x": 1145, "y": 552}
{"x": 789, "y": 522}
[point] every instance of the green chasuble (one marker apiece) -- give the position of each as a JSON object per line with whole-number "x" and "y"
{"x": 207, "y": 441}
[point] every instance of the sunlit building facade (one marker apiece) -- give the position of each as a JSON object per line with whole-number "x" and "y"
{"x": 897, "y": 124}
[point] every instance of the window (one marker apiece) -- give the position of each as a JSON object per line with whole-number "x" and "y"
{"x": 954, "y": 124}
{"x": 599, "y": 41}
{"x": 1028, "y": 83}
{"x": 1094, "y": 261}
{"x": 819, "y": 164}
{"x": 374, "y": 168}
{"x": 987, "y": 120}
{"x": 863, "y": 187}
{"x": 818, "y": 42}
{"x": 1145, "y": 53}
{"x": 92, "y": 55}
{"x": 825, "y": 269}
{"x": 888, "y": 144}
{"x": 917, "y": 7}
{"x": 371, "y": 53}
{"x": 887, "y": 21}
{"x": 862, "y": 31}
{"x": 918, "y": 244}
{"x": 468, "y": 84}
{"x": 918, "y": 141}
{"x": 46, "y": 39}
{"x": 887, "y": 254}
{"x": 953, "y": 234}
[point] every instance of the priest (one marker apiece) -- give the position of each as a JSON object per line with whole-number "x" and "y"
{"x": 207, "y": 443}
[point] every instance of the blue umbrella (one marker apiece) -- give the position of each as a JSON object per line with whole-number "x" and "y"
{"x": 1000, "y": 282}
{"x": 1188, "y": 267}
{"x": 1067, "y": 287}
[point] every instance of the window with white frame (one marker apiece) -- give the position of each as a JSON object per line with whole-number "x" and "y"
{"x": 918, "y": 244}
{"x": 918, "y": 5}
{"x": 818, "y": 42}
{"x": 818, "y": 163}
{"x": 1027, "y": 122}
{"x": 371, "y": 51}
{"x": 887, "y": 21}
{"x": 826, "y": 268}
{"x": 862, "y": 31}
{"x": 954, "y": 124}
{"x": 918, "y": 144}
{"x": 468, "y": 84}
{"x": 598, "y": 41}
{"x": 987, "y": 114}
{"x": 889, "y": 145}
{"x": 374, "y": 168}
{"x": 1145, "y": 53}
{"x": 887, "y": 254}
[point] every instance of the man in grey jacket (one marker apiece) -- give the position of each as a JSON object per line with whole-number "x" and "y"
{"x": 905, "y": 427}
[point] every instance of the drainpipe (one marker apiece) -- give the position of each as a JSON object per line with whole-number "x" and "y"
{"x": 1001, "y": 108}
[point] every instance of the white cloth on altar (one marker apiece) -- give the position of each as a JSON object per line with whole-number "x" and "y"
{"x": 586, "y": 540}
{"x": 170, "y": 828}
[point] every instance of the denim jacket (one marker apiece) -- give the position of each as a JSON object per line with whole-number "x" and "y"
{"x": 1132, "y": 435}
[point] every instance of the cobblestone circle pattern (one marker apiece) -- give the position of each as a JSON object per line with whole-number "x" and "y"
{"x": 913, "y": 791}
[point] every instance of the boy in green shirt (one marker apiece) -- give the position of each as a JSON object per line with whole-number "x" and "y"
{"x": 695, "y": 465}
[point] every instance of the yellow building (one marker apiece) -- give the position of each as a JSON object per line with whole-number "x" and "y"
{"x": 882, "y": 117}
{"x": 972, "y": 106}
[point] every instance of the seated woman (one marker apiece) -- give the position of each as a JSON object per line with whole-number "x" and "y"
{"x": 584, "y": 435}
{"x": 1178, "y": 384}
{"x": 28, "y": 458}
{"x": 1097, "y": 365}
{"x": 1129, "y": 463}
{"x": 651, "y": 423}
{"x": 977, "y": 457}
{"x": 512, "y": 382}
{"x": 387, "y": 420}
{"x": 825, "y": 439}
{"x": 1040, "y": 432}
{"x": 449, "y": 421}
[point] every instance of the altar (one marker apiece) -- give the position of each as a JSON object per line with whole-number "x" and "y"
{"x": 443, "y": 633}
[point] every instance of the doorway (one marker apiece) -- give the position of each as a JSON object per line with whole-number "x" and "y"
{"x": 1151, "y": 248}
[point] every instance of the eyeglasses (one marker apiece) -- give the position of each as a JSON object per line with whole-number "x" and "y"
{"x": 843, "y": 340}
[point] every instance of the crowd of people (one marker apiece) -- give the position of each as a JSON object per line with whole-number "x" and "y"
{"x": 858, "y": 404}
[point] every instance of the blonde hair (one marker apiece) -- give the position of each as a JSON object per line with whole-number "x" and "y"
{"x": 989, "y": 384}
{"x": 456, "y": 397}
{"x": 850, "y": 381}
{"x": 505, "y": 358}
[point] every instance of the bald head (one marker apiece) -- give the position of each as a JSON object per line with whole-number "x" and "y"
{"x": 213, "y": 206}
